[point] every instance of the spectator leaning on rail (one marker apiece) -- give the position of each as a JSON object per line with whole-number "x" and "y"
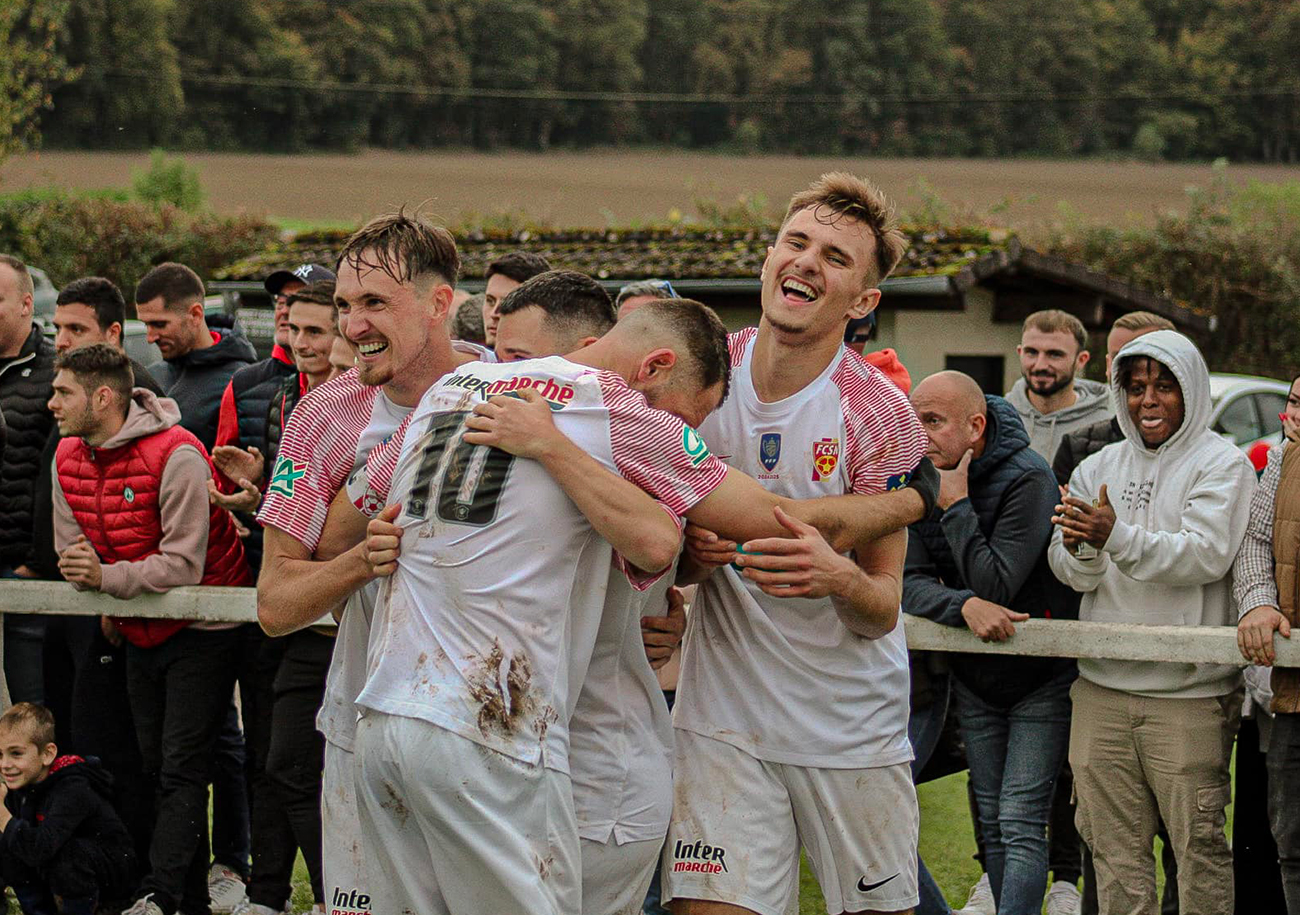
{"x": 1051, "y": 401}
{"x": 980, "y": 560}
{"x": 1266, "y": 577}
{"x": 131, "y": 516}
{"x": 1148, "y": 533}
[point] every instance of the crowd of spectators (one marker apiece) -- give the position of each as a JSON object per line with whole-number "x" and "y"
{"x": 1067, "y": 498}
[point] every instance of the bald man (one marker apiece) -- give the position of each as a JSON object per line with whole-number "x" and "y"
{"x": 979, "y": 560}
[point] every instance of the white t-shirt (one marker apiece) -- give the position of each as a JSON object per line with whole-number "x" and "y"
{"x": 621, "y": 734}
{"x": 782, "y": 678}
{"x": 477, "y": 629}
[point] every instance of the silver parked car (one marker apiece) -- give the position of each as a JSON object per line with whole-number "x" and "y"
{"x": 1246, "y": 408}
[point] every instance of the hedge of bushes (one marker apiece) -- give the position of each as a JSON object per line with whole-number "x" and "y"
{"x": 1234, "y": 253}
{"x": 71, "y": 235}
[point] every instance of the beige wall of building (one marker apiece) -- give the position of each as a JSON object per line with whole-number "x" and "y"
{"x": 925, "y": 339}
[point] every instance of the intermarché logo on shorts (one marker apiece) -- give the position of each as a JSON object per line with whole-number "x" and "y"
{"x": 700, "y": 858}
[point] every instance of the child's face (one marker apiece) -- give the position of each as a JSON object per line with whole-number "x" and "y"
{"x": 22, "y": 762}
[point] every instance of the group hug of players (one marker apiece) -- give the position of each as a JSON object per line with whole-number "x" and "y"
{"x": 491, "y": 533}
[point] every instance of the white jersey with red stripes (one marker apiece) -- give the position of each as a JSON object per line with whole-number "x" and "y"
{"x": 782, "y": 678}
{"x": 328, "y": 435}
{"x": 498, "y": 587}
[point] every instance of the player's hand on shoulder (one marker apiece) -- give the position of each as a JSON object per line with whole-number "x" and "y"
{"x": 383, "y": 543}
{"x": 519, "y": 423}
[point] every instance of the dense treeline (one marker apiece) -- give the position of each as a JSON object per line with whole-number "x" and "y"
{"x": 1155, "y": 78}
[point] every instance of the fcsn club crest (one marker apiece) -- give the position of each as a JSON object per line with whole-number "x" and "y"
{"x": 769, "y": 449}
{"x": 826, "y": 455}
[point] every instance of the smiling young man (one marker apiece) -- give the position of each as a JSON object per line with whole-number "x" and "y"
{"x": 1049, "y": 397}
{"x": 792, "y": 708}
{"x": 394, "y": 290}
{"x": 1164, "y": 513}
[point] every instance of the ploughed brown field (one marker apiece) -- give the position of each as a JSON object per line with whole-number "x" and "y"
{"x": 622, "y": 187}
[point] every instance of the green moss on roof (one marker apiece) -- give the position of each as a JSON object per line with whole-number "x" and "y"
{"x": 670, "y": 252}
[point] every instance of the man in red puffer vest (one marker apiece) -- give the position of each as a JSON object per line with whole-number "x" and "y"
{"x": 131, "y": 515}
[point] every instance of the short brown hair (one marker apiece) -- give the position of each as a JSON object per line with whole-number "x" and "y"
{"x": 99, "y": 365}
{"x": 702, "y": 332}
{"x": 179, "y": 286}
{"x": 1055, "y": 321}
{"x": 25, "y": 284}
{"x": 1142, "y": 320}
{"x": 35, "y": 719}
{"x": 848, "y": 196}
{"x": 405, "y": 247}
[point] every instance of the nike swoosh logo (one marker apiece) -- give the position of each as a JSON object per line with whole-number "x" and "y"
{"x": 865, "y": 887}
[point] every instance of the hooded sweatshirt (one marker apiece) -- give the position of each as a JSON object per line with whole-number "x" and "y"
{"x": 73, "y": 802}
{"x": 1047, "y": 429}
{"x": 1181, "y": 514}
{"x": 182, "y": 504}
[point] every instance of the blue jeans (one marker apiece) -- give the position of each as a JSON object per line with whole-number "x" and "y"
{"x": 1015, "y": 755}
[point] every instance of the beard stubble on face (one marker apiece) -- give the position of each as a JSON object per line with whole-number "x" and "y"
{"x": 1046, "y": 388}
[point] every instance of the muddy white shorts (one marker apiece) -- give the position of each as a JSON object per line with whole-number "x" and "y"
{"x": 738, "y": 823}
{"x": 454, "y": 828}
{"x": 615, "y": 877}
{"x": 342, "y": 851}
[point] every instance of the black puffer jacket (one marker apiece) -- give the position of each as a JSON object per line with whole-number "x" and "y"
{"x": 24, "y": 390}
{"x": 197, "y": 380}
{"x": 74, "y": 804}
{"x": 253, "y": 388}
{"x": 1078, "y": 445}
{"x": 992, "y": 545}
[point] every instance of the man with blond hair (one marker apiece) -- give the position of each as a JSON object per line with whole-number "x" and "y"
{"x": 791, "y": 722}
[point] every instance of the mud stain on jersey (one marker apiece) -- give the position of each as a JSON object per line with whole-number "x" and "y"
{"x": 544, "y": 866}
{"x": 505, "y": 698}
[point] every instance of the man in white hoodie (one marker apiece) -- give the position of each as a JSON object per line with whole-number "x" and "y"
{"x": 1148, "y": 533}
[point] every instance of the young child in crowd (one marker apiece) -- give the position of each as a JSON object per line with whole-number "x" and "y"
{"x": 62, "y": 845}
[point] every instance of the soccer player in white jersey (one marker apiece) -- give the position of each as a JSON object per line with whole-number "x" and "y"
{"x": 493, "y": 651}
{"x": 620, "y": 755}
{"x": 791, "y": 713}
{"x": 396, "y": 275}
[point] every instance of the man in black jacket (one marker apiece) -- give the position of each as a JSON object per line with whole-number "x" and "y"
{"x": 198, "y": 361}
{"x": 26, "y": 371}
{"x": 980, "y": 560}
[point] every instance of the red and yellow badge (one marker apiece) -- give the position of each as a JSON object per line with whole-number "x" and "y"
{"x": 826, "y": 454}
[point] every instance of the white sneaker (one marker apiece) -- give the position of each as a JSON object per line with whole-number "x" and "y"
{"x": 980, "y": 901}
{"x": 1063, "y": 899}
{"x": 145, "y": 906}
{"x": 252, "y": 908}
{"x": 226, "y": 889}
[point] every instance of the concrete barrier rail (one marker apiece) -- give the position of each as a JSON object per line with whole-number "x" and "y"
{"x": 1046, "y": 638}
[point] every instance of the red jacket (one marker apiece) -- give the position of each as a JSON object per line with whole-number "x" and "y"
{"x": 115, "y": 494}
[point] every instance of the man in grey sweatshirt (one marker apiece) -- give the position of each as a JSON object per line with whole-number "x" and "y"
{"x": 1051, "y": 401}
